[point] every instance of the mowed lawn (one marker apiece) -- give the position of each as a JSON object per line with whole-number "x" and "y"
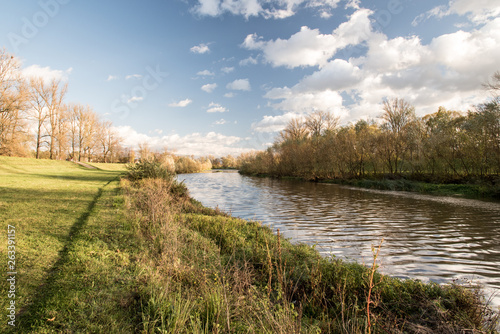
{"x": 52, "y": 207}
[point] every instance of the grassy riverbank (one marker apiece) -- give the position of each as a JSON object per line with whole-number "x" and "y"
{"x": 480, "y": 190}
{"x": 97, "y": 255}
{"x": 473, "y": 190}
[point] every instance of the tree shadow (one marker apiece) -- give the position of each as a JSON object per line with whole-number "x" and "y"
{"x": 31, "y": 315}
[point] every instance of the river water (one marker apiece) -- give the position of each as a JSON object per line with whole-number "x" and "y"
{"x": 425, "y": 237}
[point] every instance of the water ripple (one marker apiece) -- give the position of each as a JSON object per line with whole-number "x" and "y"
{"x": 426, "y": 237}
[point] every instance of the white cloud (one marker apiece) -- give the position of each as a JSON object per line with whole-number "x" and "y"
{"x": 353, "y": 4}
{"x": 227, "y": 69}
{"x": 135, "y": 99}
{"x": 448, "y": 71}
{"x": 239, "y": 84}
{"x": 276, "y": 9}
{"x": 133, "y": 76}
{"x": 338, "y": 74}
{"x": 248, "y": 61}
{"x": 202, "y": 48}
{"x": 220, "y": 122}
{"x": 206, "y": 73}
{"x": 112, "y": 77}
{"x": 197, "y": 144}
{"x": 181, "y": 104}
{"x": 305, "y": 101}
{"x": 157, "y": 131}
{"x": 274, "y": 123}
{"x": 209, "y": 88}
{"x": 46, "y": 73}
{"x": 309, "y": 47}
{"x": 215, "y": 107}
{"x": 478, "y": 12}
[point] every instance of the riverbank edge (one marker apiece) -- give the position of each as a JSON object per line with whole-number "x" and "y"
{"x": 286, "y": 283}
{"x": 480, "y": 191}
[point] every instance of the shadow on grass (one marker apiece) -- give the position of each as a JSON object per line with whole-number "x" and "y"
{"x": 33, "y": 314}
{"x": 100, "y": 176}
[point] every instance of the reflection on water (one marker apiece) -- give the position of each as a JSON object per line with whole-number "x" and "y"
{"x": 425, "y": 237}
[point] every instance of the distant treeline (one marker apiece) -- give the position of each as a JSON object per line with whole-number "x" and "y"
{"x": 446, "y": 146}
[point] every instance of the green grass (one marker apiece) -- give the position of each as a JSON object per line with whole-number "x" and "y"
{"x": 109, "y": 166}
{"x": 51, "y": 204}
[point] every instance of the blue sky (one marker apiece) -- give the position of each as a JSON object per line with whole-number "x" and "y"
{"x": 223, "y": 76}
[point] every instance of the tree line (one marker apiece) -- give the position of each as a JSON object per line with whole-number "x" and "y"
{"x": 441, "y": 147}
{"x": 36, "y": 122}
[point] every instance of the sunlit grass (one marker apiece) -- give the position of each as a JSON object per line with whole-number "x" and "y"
{"x": 109, "y": 166}
{"x": 44, "y": 200}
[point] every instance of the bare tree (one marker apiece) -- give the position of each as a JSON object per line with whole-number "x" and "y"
{"x": 45, "y": 99}
{"x": 13, "y": 133}
{"x": 320, "y": 122}
{"x": 295, "y": 130}
{"x": 83, "y": 131}
{"x": 494, "y": 84}
{"x": 38, "y": 113}
{"x": 54, "y": 97}
{"x": 109, "y": 140}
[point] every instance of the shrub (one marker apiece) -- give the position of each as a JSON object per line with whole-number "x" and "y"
{"x": 146, "y": 169}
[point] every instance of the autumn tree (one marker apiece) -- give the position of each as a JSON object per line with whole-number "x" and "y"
{"x": 320, "y": 122}
{"x": 295, "y": 130}
{"x": 108, "y": 139}
{"x": 398, "y": 118}
{"x": 13, "y": 129}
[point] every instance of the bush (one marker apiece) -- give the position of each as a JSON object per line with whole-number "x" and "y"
{"x": 148, "y": 170}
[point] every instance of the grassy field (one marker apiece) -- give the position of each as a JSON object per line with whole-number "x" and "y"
{"x": 65, "y": 235}
{"x": 97, "y": 254}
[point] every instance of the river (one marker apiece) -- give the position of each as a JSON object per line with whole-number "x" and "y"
{"x": 424, "y": 237}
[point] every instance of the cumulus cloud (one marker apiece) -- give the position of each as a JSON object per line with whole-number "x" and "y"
{"x": 181, "y": 104}
{"x": 309, "y": 47}
{"x": 274, "y": 123}
{"x": 302, "y": 101}
{"x": 269, "y": 9}
{"x": 112, "y": 77}
{"x": 202, "y": 48}
{"x": 239, "y": 84}
{"x": 215, "y": 107}
{"x": 447, "y": 71}
{"x": 48, "y": 74}
{"x": 209, "y": 88}
{"x": 197, "y": 144}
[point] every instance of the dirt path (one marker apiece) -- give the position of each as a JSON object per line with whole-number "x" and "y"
{"x": 85, "y": 165}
